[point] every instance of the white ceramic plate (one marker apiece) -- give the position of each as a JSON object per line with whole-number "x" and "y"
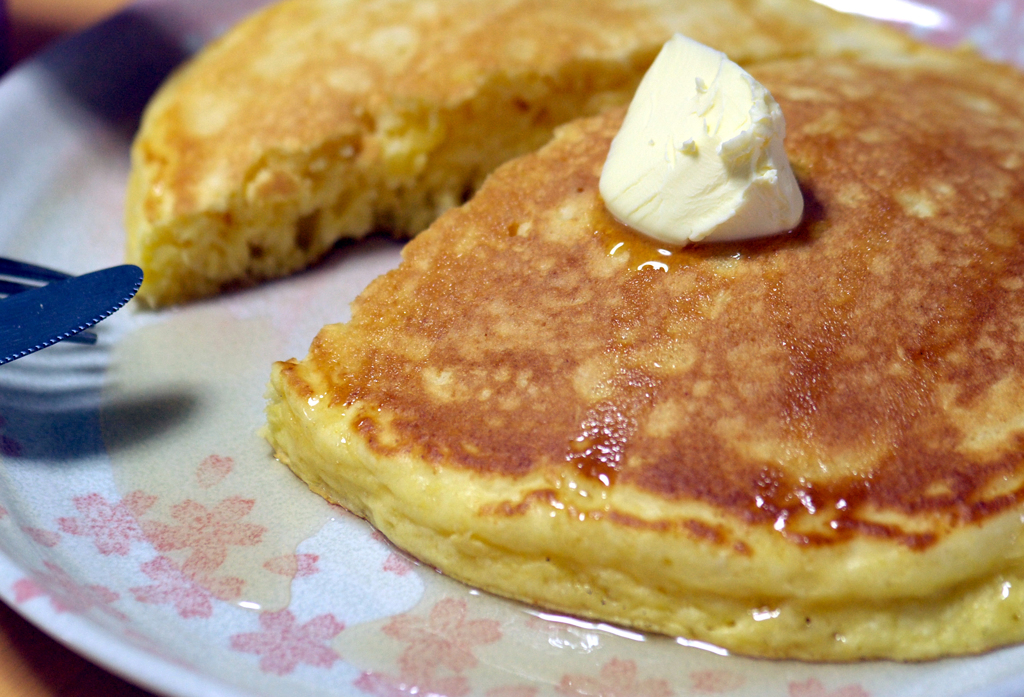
{"x": 125, "y": 465}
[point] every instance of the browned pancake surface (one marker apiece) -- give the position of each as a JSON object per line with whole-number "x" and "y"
{"x": 867, "y": 364}
{"x": 318, "y": 120}
{"x": 254, "y": 97}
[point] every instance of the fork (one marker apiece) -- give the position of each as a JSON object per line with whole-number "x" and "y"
{"x": 13, "y": 277}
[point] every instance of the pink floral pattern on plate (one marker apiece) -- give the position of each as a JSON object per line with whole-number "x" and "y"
{"x": 282, "y": 643}
{"x": 618, "y": 678}
{"x": 113, "y": 527}
{"x": 445, "y": 639}
{"x": 293, "y": 565}
{"x": 715, "y": 682}
{"x": 213, "y": 470}
{"x": 46, "y": 538}
{"x": 66, "y": 593}
{"x": 207, "y": 532}
{"x": 397, "y": 564}
{"x": 189, "y": 597}
{"x": 814, "y": 688}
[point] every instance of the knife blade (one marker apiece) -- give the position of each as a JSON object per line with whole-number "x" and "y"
{"x": 37, "y": 318}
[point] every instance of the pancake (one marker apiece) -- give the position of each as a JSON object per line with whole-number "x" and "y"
{"x": 807, "y": 446}
{"x": 317, "y": 120}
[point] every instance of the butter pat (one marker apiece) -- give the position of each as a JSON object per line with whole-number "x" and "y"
{"x": 700, "y": 153}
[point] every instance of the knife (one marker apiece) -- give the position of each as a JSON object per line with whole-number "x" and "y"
{"x": 37, "y": 318}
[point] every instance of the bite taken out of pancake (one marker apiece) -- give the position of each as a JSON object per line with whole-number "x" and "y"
{"x": 317, "y": 120}
{"x": 808, "y": 446}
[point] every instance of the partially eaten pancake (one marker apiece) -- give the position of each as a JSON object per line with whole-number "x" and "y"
{"x": 316, "y": 120}
{"x": 807, "y": 446}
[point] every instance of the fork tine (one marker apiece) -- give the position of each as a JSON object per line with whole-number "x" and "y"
{"x": 10, "y": 287}
{"x": 20, "y": 269}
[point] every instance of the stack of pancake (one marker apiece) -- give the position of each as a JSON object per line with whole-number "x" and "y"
{"x": 806, "y": 446}
{"x": 317, "y": 120}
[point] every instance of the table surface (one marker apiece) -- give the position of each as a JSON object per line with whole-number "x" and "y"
{"x": 31, "y": 663}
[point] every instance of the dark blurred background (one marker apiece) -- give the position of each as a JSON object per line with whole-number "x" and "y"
{"x": 32, "y": 24}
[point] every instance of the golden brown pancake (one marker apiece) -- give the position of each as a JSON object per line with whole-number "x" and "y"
{"x": 316, "y": 120}
{"x": 808, "y": 446}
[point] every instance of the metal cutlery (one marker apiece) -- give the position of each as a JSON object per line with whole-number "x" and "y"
{"x": 35, "y": 316}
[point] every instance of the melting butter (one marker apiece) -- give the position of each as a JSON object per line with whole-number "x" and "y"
{"x": 700, "y": 153}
